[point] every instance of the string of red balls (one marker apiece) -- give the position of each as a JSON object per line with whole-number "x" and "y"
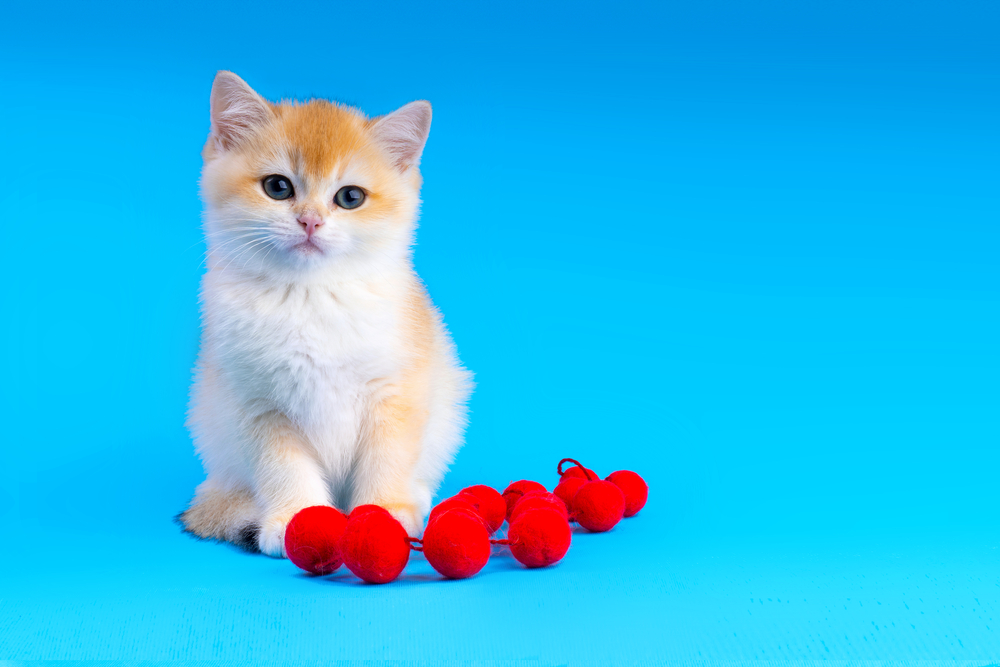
{"x": 457, "y": 541}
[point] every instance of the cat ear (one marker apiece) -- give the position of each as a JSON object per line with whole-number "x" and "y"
{"x": 403, "y": 133}
{"x": 236, "y": 110}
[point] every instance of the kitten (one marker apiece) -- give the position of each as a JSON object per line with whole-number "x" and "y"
{"x": 326, "y": 376}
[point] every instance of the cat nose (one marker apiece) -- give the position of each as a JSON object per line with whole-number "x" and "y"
{"x": 310, "y": 222}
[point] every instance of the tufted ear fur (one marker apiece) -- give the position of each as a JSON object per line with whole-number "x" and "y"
{"x": 403, "y": 133}
{"x": 236, "y": 110}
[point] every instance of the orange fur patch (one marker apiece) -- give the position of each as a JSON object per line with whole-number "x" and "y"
{"x": 320, "y": 139}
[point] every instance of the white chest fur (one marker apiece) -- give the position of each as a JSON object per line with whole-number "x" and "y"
{"x": 314, "y": 352}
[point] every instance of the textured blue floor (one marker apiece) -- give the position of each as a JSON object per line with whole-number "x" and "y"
{"x": 746, "y": 249}
{"x": 639, "y": 594}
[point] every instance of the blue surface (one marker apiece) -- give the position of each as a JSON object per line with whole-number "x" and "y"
{"x": 746, "y": 249}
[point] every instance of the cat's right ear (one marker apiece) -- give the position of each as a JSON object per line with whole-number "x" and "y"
{"x": 236, "y": 110}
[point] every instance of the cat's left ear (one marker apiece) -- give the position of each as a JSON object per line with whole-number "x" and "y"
{"x": 237, "y": 111}
{"x": 403, "y": 133}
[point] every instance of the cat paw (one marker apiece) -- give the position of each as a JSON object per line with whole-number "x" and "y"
{"x": 271, "y": 539}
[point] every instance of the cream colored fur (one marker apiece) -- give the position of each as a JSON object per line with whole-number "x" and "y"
{"x": 326, "y": 376}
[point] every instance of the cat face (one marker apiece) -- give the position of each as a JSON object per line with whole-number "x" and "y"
{"x": 305, "y": 186}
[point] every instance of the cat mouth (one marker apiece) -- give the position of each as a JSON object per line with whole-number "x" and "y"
{"x": 307, "y": 247}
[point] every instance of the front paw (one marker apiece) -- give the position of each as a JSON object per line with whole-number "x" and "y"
{"x": 271, "y": 539}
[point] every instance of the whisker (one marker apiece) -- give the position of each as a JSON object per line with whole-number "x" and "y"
{"x": 247, "y": 248}
{"x": 215, "y": 246}
{"x": 207, "y": 236}
{"x": 220, "y": 250}
{"x": 220, "y": 254}
{"x": 255, "y": 254}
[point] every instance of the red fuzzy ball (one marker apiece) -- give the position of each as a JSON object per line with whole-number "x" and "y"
{"x": 455, "y": 502}
{"x": 374, "y": 545}
{"x": 567, "y": 488}
{"x": 470, "y": 498}
{"x": 539, "y": 537}
{"x": 517, "y": 489}
{"x": 492, "y": 506}
{"x": 361, "y": 510}
{"x": 456, "y": 543}
{"x": 578, "y": 472}
{"x": 634, "y": 488}
{"x": 536, "y": 499}
{"x": 598, "y": 506}
{"x": 312, "y": 539}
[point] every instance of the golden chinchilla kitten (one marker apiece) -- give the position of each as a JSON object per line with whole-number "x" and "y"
{"x": 326, "y": 376}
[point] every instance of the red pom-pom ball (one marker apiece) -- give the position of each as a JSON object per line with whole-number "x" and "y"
{"x": 374, "y": 545}
{"x": 567, "y": 488}
{"x": 579, "y": 473}
{"x": 598, "y": 506}
{"x": 312, "y": 539}
{"x": 634, "y": 488}
{"x": 539, "y": 537}
{"x": 456, "y": 543}
{"x": 361, "y": 510}
{"x": 517, "y": 489}
{"x": 536, "y": 499}
{"x": 467, "y": 502}
{"x": 492, "y": 506}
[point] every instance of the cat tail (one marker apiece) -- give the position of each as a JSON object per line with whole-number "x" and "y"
{"x": 230, "y": 515}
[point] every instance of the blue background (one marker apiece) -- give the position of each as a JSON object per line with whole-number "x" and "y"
{"x": 746, "y": 249}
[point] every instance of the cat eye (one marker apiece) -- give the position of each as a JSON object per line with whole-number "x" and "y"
{"x": 349, "y": 196}
{"x": 278, "y": 187}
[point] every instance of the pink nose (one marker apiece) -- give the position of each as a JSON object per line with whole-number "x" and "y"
{"x": 310, "y": 223}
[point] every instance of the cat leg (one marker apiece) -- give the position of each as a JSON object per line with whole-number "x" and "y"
{"x": 223, "y": 514}
{"x": 443, "y": 433}
{"x": 288, "y": 479}
{"x": 383, "y": 472}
